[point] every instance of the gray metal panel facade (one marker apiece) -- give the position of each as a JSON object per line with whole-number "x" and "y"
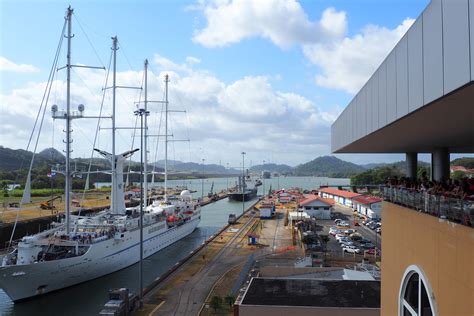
{"x": 368, "y": 98}
{"x": 375, "y": 101}
{"x": 402, "y": 77}
{"x": 391, "y": 87}
{"x": 432, "y": 52}
{"x": 435, "y": 57}
{"x": 382, "y": 95}
{"x": 415, "y": 65}
{"x": 455, "y": 44}
{"x": 363, "y": 104}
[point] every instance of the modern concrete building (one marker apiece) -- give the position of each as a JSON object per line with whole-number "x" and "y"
{"x": 421, "y": 100}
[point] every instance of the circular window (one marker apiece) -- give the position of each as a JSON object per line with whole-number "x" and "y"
{"x": 416, "y": 296}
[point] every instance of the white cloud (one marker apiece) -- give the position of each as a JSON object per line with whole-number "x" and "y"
{"x": 8, "y": 65}
{"x": 348, "y": 63}
{"x": 345, "y": 63}
{"x": 284, "y": 22}
{"x": 223, "y": 119}
{"x": 192, "y": 60}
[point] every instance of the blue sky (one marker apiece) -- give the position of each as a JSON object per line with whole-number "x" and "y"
{"x": 243, "y": 70}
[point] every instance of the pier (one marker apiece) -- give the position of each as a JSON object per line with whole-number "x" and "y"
{"x": 214, "y": 268}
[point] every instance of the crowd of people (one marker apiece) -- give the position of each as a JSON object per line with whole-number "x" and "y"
{"x": 462, "y": 189}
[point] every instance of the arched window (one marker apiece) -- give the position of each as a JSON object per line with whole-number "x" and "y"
{"x": 416, "y": 296}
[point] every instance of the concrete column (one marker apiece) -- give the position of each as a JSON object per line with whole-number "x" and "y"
{"x": 412, "y": 165}
{"x": 440, "y": 164}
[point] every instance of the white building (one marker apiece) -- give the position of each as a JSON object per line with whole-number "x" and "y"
{"x": 317, "y": 207}
{"x": 339, "y": 196}
{"x": 368, "y": 206}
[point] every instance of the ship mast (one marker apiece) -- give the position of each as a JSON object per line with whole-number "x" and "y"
{"x": 145, "y": 132}
{"x": 68, "y": 120}
{"x": 166, "y": 136}
{"x": 114, "y": 205}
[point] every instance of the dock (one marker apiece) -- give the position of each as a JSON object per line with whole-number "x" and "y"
{"x": 214, "y": 268}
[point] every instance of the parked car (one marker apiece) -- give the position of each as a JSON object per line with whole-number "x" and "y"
{"x": 378, "y": 230}
{"x": 356, "y": 237}
{"x": 351, "y": 250}
{"x": 344, "y": 224}
{"x": 346, "y": 243}
{"x": 370, "y": 251}
{"x": 364, "y": 241}
{"x": 339, "y": 236}
{"x": 373, "y": 225}
{"x": 337, "y": 220}
{"x": 333, "y": 231}
{"x": 344, "y": 238}
{"x": 349, "y": 231}
{"x": 368, "y": 245}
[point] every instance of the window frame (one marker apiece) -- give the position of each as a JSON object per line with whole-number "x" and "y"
{"x": 429, "y": 291}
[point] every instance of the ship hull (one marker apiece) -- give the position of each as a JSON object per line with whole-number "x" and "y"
{"x": 22, "y": 282}
{"x": 239, "y": 196}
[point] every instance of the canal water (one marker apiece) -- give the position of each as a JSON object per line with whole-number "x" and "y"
{"x": 88, "y": 298}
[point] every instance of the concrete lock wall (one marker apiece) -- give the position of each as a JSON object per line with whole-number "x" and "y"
{"x": 434, "y": 58}
{"x": 443, "y": 250}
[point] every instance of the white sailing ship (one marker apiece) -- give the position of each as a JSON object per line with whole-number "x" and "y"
{"x": 83, "y": 248}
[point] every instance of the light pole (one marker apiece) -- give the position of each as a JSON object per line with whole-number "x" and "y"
{"x": 227, "y": 177}
{"x": 202, "y": 181}
{"x": 141, "y": 113}
{"x": 243, "y": 182}
{"x": 263, "y": 178}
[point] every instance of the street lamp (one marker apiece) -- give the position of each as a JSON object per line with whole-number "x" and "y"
{"x": 227, "y": 177}
{"x": 202, "y": 181}
{"x": 263, "y": 178}
{"x": 141, "y": 113}
{"x": 243, "y": 182}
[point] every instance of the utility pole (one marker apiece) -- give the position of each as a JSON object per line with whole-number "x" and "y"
{"x": 263, "y": 178}
{"x": 243, "y": 182}
{"x": 202, "y": 181}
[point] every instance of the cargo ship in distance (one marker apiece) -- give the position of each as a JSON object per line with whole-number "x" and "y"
{"x": 246, "y": 189}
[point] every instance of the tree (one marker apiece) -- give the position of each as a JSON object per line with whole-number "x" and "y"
{"x": 216, "y": 302}
{"x": 229, "y": 299}
{"x": 458, "y": 175}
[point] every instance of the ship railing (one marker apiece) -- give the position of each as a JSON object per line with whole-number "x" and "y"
{"x": 445, "y": 207}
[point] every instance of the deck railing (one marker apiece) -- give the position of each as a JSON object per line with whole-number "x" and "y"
{"x": 456, "y": 210}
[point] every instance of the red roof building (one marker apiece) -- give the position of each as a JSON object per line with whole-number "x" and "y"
{"x": 339, "y": 196}
{"x": 311, "y": 198}
{"x": 367, "y": 200}
{"x": 341, "y": 193}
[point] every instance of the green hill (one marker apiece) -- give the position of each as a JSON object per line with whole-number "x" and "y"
{"x": 328, "y": 166}
{"x": 466, "y": 162}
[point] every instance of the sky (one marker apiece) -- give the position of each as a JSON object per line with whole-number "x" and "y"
{"x": 265, "y": 77}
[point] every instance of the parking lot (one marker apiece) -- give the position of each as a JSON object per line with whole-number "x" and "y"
{"x": 347, "y": 215}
